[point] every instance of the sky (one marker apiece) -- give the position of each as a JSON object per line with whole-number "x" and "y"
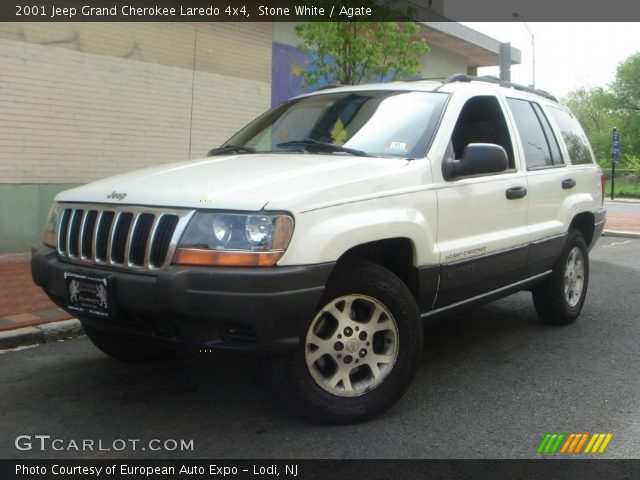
{"x": 567, "y": 55}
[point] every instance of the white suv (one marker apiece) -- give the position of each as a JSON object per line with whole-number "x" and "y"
{"x": 328, "y": 228}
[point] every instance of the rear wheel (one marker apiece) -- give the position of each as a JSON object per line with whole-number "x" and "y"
{"x": 127, "y": 349}
{"x": 559, "y": 300}
{"x": 360, "y": 351}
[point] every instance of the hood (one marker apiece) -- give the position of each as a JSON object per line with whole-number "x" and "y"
{"x": 245, "y": 182}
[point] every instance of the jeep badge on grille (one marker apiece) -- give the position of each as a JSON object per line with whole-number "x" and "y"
{"x": 117, "y": 195}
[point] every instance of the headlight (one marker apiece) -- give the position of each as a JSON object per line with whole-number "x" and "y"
{"x": 259, "y": 229}
{"x": 221, "y": 229}
{"x": 49, "y": 236}
{"x": 231, "y": 239}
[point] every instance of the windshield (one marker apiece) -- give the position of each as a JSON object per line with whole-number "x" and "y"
{"x": 376, "y": 123}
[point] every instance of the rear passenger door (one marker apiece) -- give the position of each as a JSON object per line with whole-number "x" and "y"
{"x": 548, "y": 179}
{"x": 584, "y": 170}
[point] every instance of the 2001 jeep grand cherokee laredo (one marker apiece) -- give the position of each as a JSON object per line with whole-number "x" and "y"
{"x": 328, "y": 228}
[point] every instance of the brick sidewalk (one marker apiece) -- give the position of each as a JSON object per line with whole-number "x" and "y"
{"x": 24, "y": 304}
{"x": 622, "y": 222}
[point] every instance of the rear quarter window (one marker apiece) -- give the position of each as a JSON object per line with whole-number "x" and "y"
{"x": 573, "y": 136}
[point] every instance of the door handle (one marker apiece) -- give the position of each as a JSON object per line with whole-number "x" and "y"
{"x": 516, "y": 192}
{"x": 568, "y": 183}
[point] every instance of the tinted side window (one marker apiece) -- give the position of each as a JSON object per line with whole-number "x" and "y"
{"x": 552, "y": 141}
{"x": 573, "y": 135}
{"x": 534, "y": 142}
{"x": 481, "y": 120}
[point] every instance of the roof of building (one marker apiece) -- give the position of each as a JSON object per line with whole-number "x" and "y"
{"x": 479, "y": 49}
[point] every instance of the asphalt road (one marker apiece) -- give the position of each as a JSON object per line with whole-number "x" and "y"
{"x": 623, "y": 207}
{"x": 493, "y": 381}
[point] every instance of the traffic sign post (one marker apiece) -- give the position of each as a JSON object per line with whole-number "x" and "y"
{"x": 615, "y": 157}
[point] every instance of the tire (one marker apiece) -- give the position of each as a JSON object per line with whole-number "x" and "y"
{"x": 559, "y": 300}
{"x": 350, "y": 369}
{"x": 127, "y": 349}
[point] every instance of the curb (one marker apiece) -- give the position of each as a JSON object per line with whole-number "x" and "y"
{"x": 623, "y": 200}
{"x": 45, "y": 333}
{"x": 620, "y": 233}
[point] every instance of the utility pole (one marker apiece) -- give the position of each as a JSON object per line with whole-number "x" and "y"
{"x": 533, "y": 48}
{"x": 533, "y": 54}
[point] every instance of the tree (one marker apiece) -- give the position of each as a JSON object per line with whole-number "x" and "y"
{"x": 596, "y": 111}
{"x": 626, "y": 91}
{"x": 600, "y": 109}
{"x": 626, "y": 86}
{"x": 594, "y": 107}
{"x": 352, "y": 53}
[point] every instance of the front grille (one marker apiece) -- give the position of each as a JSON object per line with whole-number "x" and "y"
{"x": 120, "y": 236}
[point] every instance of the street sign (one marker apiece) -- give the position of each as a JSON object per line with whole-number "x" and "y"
{"x": 615, "y": 156}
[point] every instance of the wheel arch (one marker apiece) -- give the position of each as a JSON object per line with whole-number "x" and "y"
{"x": 585, "y": 223}
{"x": 396, "y": 254}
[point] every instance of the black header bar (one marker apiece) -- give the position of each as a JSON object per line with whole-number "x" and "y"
{"x": 316, "y": 10}
{"x": 317, "y": 469}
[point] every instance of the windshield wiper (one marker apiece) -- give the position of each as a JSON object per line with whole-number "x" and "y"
{"x": 230, "y": 149}
{"x": 309, "y": 144}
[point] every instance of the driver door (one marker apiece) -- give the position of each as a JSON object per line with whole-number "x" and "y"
{"x": 482, "y": 231}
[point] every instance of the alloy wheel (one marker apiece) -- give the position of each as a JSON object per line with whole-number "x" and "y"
{"x": 351, "y": 345}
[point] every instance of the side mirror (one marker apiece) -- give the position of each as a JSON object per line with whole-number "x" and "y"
{"x": 477, "y": 159}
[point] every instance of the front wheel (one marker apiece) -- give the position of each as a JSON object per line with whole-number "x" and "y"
{"x": 360, "y": 351}
{"x": 559, "y": 300}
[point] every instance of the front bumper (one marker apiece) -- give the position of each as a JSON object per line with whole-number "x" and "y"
{"x": 265, "y": 309}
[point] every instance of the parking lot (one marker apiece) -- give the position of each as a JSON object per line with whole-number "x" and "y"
{"x": 494, "y": 380}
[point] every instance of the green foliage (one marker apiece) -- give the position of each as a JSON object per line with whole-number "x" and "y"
{"x": 626, "y": 86}
{"x": 595, "y": 108}
{"x": 352, "y": 53}
{"x": 599, "y": 110}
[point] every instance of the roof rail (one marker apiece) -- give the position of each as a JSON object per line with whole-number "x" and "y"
{"x": 326, "y": 87}
{"x": 422, "y": 79}
{"x": 461, "y": 77}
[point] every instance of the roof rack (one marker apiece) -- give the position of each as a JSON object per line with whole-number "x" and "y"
{"x": 326, "y": 87}
{"x": 423, "y": 79}
{"x": 461, "y": 77}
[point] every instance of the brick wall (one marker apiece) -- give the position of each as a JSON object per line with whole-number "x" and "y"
{"x": 80, "y": 102}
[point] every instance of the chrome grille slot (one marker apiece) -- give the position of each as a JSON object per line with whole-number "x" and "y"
{"x": 102, "y": 235}
{"x": 62, "y": 231}
{"x": 140, "y": 238}
{"x": 74, "y": 233}
{"x": 86, "y": 240}
{"x": 160, "y": 245}
{"x": 119, "y": 244}
{"x": 120, "y": 236}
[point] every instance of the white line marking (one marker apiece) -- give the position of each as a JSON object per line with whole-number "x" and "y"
{"x": 17, "y": 349}
{"x": 616, "y": 243}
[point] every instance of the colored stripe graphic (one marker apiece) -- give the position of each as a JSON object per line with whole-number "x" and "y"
{"x": 550, "y": 443}
{"x": 591, "y": 442}
{"x": 543, "y": 443}
{"x": 581, "y": 443}
{"x": 572, "y": 443}
{"x": 598, "y": 443}
{"x": 556, "y": 445}
{"x": 567, "y": 443}
{"x": 607, "y": 439}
